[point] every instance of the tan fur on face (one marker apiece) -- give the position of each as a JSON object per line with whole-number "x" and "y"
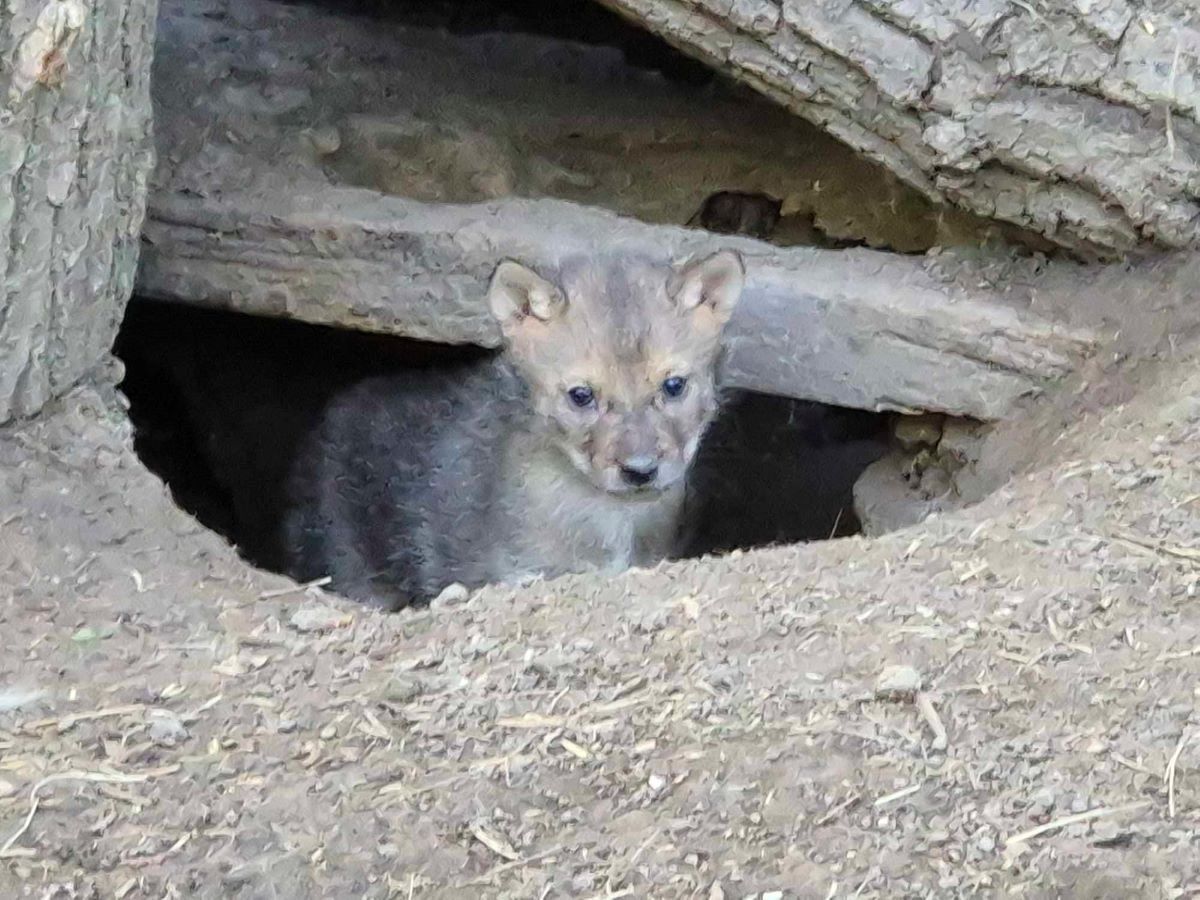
{"x": 620, "y": 327}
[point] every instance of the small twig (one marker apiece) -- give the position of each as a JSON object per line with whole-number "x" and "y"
{"x": 65, "y": 722}
{"x": 95, "y": 777}
{"x": 837, "y": 809}
{"x": 896, "y": 795}
{"x": 1169, "y": 774}
{"x": 401, "y": 788}
{"x": 1171, "y": 100}
{"x": 1130, "y": 764}
{"x": 1189, "y": 553}
{"x": 863, "y": 885}
{"x": 933, "y": 720}
{"x": 78, "y": 570}
{"x": 654, "y": 835}
{"x": 1102, "y": 812}
{"x": 642, "y": 849}
{"x": 295, "y": 588}
{"x": 836, "y": 522}
{"x": 1184, "y": 502}
{"x": 514, "y": 864}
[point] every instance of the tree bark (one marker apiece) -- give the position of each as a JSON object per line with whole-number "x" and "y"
{"x": 1073, "y": 118}
{"x": 75, "y": 154}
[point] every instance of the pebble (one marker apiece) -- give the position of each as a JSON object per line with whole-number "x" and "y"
{"x": 402, "y": 688}
{"x": 897, "y": 680}
{"x": 451, "y": 595}
{"x": 318, "y": 617}
{"x": 325, "y": 139}
{"x": 166, "y": 729}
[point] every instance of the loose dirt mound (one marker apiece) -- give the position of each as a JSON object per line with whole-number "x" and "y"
{"x": 713, "y": 729}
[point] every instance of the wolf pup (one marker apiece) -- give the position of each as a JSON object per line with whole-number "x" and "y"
{"x": 566, "y": 452}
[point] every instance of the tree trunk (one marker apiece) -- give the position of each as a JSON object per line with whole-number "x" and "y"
{"x": 75, "y": 153}
{"x": 1073, "y": 118}
{"x": 275, "y": 196}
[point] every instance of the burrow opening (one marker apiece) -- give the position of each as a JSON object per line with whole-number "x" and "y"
{"x": 220, "y": 402}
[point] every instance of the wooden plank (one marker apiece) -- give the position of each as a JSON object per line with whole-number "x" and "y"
{"x": 855, "y": 328}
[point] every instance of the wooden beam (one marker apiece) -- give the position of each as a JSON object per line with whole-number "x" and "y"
{"x": 856, "y": 328}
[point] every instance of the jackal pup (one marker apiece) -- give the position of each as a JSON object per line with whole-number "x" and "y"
{"x": 566, "y": 452}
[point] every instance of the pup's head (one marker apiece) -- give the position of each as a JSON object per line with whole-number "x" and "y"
{"x": 620, "y": 358}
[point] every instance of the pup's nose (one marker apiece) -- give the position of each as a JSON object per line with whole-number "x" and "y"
{"x": 639, "y": 470}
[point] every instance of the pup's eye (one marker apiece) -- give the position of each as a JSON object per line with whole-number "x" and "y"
{"x": 674, "y": 386}
{"x": 582, "y": 396}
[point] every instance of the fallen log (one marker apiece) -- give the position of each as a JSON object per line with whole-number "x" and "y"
{"x": 856, "y": 328}
{"x": 1079, "y": 120}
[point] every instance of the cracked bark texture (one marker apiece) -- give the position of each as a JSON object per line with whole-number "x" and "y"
{"x": 75, "y": 154}
{"x": 1074, "y": 118}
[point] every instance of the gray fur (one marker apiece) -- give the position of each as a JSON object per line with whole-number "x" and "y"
{"x": 484, "y": 472}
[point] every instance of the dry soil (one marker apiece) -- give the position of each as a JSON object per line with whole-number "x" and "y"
{"x": 176, "y": 724}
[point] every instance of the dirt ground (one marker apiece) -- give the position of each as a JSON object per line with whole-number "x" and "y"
{"x": 175, "y": 724}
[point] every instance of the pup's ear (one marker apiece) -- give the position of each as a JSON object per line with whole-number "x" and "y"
{"x": 713, "y": 283}
{"x": 517, "y": 294}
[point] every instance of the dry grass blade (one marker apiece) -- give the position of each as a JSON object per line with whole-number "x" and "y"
{"x": 66, "y": 722}
{"x": 531, "y": 720}
{"x": 896, "y": 795}
{"x": 579, "y": 752}
{"x": 1130, "y": 764}
{"x": 295, "y": 588}
{"x": 836, "y": 523}
{"x": 930, "y": 714}
{"x": 1172, "y": 83}
{"x": 837, "y": 809}
{"x": 1091, "y": 815}
{"x": 627, "y": 867}
{"x": 1169, "y": 774}
{"x": 94, "y": 777}
{"x": 487, "y": 876}
{"x": 1191, "y": 554}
